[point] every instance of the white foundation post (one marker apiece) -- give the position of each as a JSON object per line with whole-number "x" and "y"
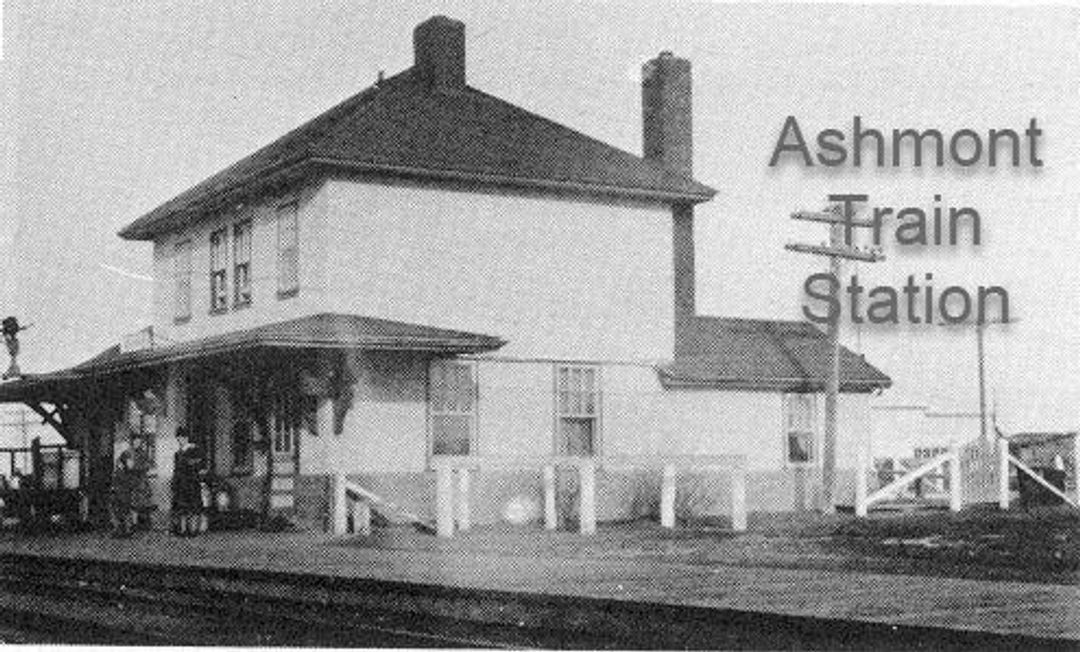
{"x": 362, "y": 517}
{"x": 956, "y": 488}
{"x": 587, "y": 497}
{"x": 444, "y": 501}
{"x": 339, "y": 523}
{"x": 1003, "y": 473}
{"x": 464, "y": 522}
{"x": 550, "y": 517}
{"x": 738, "y": 498}
{"x": 1076, "y": 466}
{"x": 860, "y": 483}
{"x": 667, "y": 497}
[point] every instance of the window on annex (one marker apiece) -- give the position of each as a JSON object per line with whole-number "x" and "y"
{"x": 219, "y": 298}
{"x": 452, "y": 398}
{"x": 800, "y": 420}
{"x": 242, "y": 264}
{"x": 182, "y": 281}
{"x": 288, "y": 250}
{"x": 577, "y": 410}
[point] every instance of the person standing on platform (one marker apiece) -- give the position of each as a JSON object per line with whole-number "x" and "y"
{"x": 187, "y": 492}
{"x": 143, "y": 496}
{"x": 123, "y": 496}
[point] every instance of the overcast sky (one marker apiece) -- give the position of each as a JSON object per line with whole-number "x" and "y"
{"x": 110, "y": 108}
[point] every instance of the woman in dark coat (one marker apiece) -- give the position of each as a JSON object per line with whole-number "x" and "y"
{"x": 187, "y": 494}
{"x": 123, "y": 496}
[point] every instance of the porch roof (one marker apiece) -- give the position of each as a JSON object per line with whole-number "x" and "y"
{"x": 323, "y": 331}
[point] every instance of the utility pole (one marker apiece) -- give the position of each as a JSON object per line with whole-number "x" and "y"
{"x": 980, "y": 330}
{"x": 979, "y": 327}
{"x": 839, "y": 248}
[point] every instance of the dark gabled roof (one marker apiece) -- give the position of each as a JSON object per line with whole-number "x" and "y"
{"x": 761, "y": 354}
{"x": 315, "y": 332}
{"x": 402, "y": 127}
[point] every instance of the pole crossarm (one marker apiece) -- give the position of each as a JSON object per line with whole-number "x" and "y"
{"x": 838, "y": 251}
{"x": 830, "y": 217}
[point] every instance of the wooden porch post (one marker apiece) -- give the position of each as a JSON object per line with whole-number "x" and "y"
{"x": 667, "y": 497}
{"x": 1076, "y": 466}
{"x": 860, "y": 482}
{"x": 444, "y": 501}
{"x": 587, "y": 497}
{"x": 1003, "y": 473}
{"x": 464, "y": 521}
{"x": 551, "y": 520}
{"x": 956, "y": 488}
{"x": 339, "y": 521}
{"x": 738, "y": 498}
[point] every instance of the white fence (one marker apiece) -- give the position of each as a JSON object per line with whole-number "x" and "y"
{"x": 974, "y": 476}
{"x": 453, "y": 477}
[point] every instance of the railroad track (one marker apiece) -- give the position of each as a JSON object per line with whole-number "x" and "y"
{"x": 90, "y": 601}
{"x": 48, "y": 601}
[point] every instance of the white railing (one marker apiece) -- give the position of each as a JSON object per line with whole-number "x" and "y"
{"x": 864, "y": 499}
{"x": 1005, "y": 459}
{"x": 954, "y": 458}
{"x": 453, "y": 477}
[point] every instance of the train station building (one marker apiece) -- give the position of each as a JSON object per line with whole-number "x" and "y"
{"x": 426, "y": 272}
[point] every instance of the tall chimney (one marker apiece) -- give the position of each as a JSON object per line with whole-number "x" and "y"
{"x": 439, "y": 50}
{"x": 667, "y": 139}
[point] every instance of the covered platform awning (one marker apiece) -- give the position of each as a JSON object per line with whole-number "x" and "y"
{"x": 322, "y": 331}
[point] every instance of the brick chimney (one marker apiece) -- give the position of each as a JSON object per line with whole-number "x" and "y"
{"x": 439, "y": 48}
{"x": 668, "y": 140}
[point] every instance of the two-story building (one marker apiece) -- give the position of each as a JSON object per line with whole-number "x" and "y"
{"x": 427, "y": 270}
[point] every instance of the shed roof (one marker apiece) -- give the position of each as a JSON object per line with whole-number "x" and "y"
{"x": 406, "y": 128}
{"x": 760, "y": 354}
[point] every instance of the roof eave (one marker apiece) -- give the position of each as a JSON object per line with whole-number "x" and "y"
{"x": 151, "y": 224}
{"x": 852, "y": 386}
{"x": 504, "y": 180}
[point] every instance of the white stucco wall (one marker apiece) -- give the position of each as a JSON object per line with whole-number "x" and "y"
{"x": 387, "y": 428}
{"x": 557, "y": 278}
{"x": 265, "y": 306}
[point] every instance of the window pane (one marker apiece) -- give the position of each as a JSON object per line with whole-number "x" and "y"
{"x": 577, "y": 436}
{"x": 452, "y": 405}
{"x": 799, "y": 446}
{"x": 182, "y": 280}
{"x": 450, "y": 435}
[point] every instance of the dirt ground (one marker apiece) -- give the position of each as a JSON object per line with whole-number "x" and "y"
{"x": 1040, "y": 545}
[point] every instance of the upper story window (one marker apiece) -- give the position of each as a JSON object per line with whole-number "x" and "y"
{"x": 288, "y": 250}
{"x": 182, "y": 281}
{"x": 799, "y": 421}
{"x": 577, "y": 410}
{"x": 219, "y": 297}
{"x": 452, "y": 394}
{"x": 242, "y": 264}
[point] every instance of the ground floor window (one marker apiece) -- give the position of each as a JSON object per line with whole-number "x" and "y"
{"x": 577, "y": 410}
{"x": 800, "y": 420}
{"x": 452, "y": 398}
